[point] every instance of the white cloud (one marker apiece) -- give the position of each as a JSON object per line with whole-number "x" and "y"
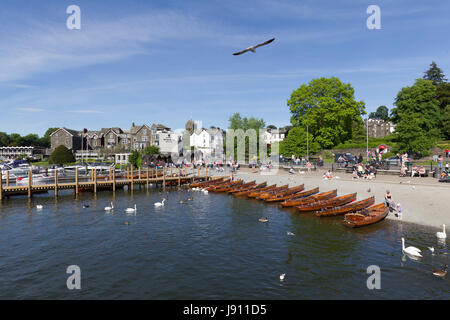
{"x": 31, "y": 109}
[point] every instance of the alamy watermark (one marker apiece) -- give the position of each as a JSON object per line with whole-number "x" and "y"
{"x": 74, "y": 20}
{"x": 74, "y": 280}
{"x": 374, "y": 281}
{"x": 374, "y": 20}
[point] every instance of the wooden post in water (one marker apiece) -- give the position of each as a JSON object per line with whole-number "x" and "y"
{"x": 30, "y": 182}
{"x": 139, "y": 175}
{"x": 76, "y": 181}
{"x": 1, "y": 184}
{"x": 7, "y": 179}
{"x": 147, "y": 180}
{"x": 114, "y": 180}
{"x": 132, "y": 178}
{"x": 56, "y": 182}
{"x": 164, "y": 178}
{"x": 179, "y": 177}
{"x": 206, "y": 173}
{"x": 95, "y": 181}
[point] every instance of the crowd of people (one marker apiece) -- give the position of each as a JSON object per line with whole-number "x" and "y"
{"x": 361, "y": 171}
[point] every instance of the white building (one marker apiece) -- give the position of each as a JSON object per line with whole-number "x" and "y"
{"x": 273, "y": 135}
{"x": 12, "y": 153}
{"x": 122, "y": 158}
{"x": 209, "y": 143}
{"x": 170, "y": 143}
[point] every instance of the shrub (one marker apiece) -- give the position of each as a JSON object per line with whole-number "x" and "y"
{"x": 61, "y": 156}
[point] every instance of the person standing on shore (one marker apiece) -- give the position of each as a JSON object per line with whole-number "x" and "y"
{"x": 447, "y": 153}
{"x": 440, "y": 161}
{"x": 388, "y": 199}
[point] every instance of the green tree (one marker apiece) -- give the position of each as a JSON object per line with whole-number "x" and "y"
{"x": 381, "y": 113}
{"x": 152, "y": 150}
{"x": 45, "y": 140}
{"x": 15, "y": 140}
{"x": 328, "y": 107}
{"x": 419, "y": 99}
{"x": 411, "y": 137}
{"x": 271, "y": 126}
{"x": 135, "y": 159}
{"x": 61, "y": 155}
{"x": 446, "y": 121}
{"x": 434, "y": 74}
{"x": 296, "y": 143}
{"x": 4, "y": 139}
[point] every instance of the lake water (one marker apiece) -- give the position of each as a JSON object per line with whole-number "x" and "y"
{"x": 210, "y": 248}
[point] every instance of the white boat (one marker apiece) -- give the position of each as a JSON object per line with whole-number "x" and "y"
{"x": 37, "y": 179}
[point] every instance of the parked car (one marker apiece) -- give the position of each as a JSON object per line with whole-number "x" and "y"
{"x": 394, "y": 161}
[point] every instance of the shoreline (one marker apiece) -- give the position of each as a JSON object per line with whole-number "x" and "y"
{"x": 423, "y": 203}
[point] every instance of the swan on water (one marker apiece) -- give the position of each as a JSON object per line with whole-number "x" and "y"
{"x": 109, "y": 208}
{"x": 282, "y": 276}
{"x": 431, "y": 249}
{"x": 263, "y": 220}
{"x": 131, "y": 210}
{"x": 39, "y": 207}
{"x": 442, "y": 235}
{"x": 290, "y": 233}
{"x": 160, "y": 204}
{"x": 413, "y": 251}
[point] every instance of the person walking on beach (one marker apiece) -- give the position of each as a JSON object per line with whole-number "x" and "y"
{"x": 308, "y": 164}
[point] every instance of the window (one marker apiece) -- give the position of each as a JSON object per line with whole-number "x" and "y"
{"x": 145, "y": 131}
{"x": 124, "y": 141}
{"x": 144, "y": 138}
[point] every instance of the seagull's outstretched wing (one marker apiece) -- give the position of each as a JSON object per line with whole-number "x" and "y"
{"x": 240, "y": 52}
{"x": 253, "y": 48}
{"x": 264, "y": 43}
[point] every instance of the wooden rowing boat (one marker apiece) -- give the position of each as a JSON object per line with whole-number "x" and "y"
{"x": 207, "y": 183}
{"x": 256, "y": 193}
{"x": 281, "y": 196}
{"x": 367, "y": 216}
{"x": 271, "y": 193}
{"x": 255, "y": 189}
{"x": 351, "y": 207}
{"x": 330, "y": 203}
{"x": 228, "y": 184}
{"x": 310, "y": 198}
{"x": 226, "y": 189}
{"x": 241, "y": 189}
{"x": 298, "y": 195}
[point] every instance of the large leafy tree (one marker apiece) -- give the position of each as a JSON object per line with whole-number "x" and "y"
{"x": 411, "y": 137}
{"x": 446, "y": 121}
{"x": 61, "y": 155}
{"x": 296, "y": 143}
{"x": 434, "y": 74}
{"x": 4, "y": 139}
{"x": 45, "y": 140}
{"x": 381, "y": 113}
{"x": 419, "y": 99}
{"x": 328, "y": 107}
{"x": 135, "y": 159}
{"x": 152, "y": 150}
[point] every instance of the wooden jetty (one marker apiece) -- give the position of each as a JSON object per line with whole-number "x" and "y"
{"x": 142, "y": 177}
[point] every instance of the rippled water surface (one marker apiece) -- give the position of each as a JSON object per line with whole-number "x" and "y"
{"x": 210, "y": 248}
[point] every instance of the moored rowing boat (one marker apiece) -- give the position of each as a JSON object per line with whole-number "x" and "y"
{"x": 298, "y": 195}
{"x": 310, "y": 198}
{"x": 255, "y": 189}
{"x": 367, "y": 216}
{"x": 351, "y": 207}
{"x": 338, "y": 201}
{"x": 226, "y": 189}
{"x": 208, "y": 183}
{"x": 271, "y": 193}
{"x": 245, "y": 188}
{"x": 281, "y": 196}
{"x": 228, "y": 184}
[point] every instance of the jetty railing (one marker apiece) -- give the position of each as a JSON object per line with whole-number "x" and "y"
{"x": 110, "y": 181}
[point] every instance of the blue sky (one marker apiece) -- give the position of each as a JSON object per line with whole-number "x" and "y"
{"x": 162, "y": 61}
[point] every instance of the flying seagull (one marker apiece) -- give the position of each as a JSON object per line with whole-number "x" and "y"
{"x": 252, "y": 48}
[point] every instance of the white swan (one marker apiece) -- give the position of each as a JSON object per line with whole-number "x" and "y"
{"x": 131, "y": 210}
{"x": 205, "y": 191}
{"x": 413, "y": 251}
{"x": 282, "y": 276}
{"x": 109, "y": 208}
{"x": 39, "y": 207}
{"x": 160, "y": 204}
{"x": 442, "y": 235}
